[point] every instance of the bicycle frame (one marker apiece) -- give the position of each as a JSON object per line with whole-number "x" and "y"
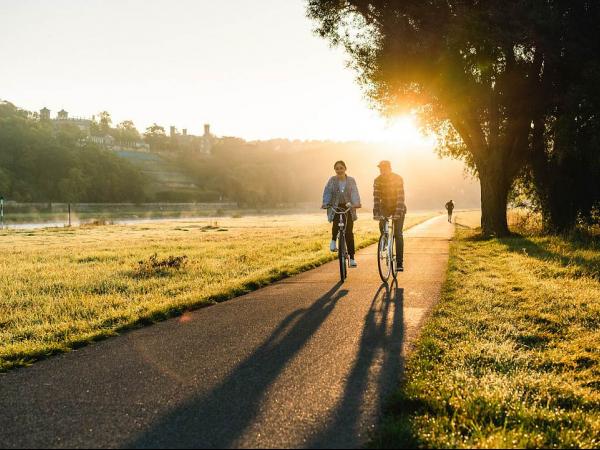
{"x": 343, "y": 257}
{"x": 342, "y": 224}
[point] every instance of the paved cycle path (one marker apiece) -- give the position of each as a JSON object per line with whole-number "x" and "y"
{"x": 304, "y": 362}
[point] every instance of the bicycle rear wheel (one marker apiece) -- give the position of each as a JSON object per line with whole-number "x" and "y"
{"x": 383, "y": 260}
{"x": 392, "y": 252}
{"x": 342, "y": 258}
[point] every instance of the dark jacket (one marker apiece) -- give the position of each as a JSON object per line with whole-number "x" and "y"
{"x": 388, "y": 196}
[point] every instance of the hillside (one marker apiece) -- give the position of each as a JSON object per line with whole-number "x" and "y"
{"x": 166, "y": 179}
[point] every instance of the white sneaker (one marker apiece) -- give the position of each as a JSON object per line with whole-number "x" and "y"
{"x": 332, "y": 246}
{"x": 353, "y": 263}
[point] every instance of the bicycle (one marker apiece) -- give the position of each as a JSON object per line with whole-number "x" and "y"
{"x": 386, "y": 252}
{"x": 343, "y": 257}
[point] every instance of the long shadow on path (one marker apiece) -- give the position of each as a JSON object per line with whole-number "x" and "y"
{"x": 219, "y": 418}
{"x": 380, "y": 347}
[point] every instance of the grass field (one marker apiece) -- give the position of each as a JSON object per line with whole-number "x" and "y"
{"x": 510, "y": 357}
{"x": 61, "y": 288}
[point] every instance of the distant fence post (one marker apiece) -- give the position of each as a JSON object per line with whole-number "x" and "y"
{"x": 1, "y": 213}
{"x": 69, "y": 214}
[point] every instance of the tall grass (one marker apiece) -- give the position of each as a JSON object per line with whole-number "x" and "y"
{"x": 511, "y": 356}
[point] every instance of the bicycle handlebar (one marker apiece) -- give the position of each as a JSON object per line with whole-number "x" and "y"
{"x": 392, "y": 217}
{"x": 339, "y": 210}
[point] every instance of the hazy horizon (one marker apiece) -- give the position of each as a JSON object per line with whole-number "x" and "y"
{"x": 251, "y": 70}
{"x": 256, "y": 70}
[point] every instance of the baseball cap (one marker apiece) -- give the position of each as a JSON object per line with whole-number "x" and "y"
{"x": 384, "y": 163}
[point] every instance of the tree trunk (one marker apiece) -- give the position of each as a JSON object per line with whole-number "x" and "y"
{"x": 494, "y": 200}
{"x": 559, "y": 212}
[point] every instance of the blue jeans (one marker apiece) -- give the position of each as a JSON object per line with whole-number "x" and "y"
{"x": 349, "y": 232}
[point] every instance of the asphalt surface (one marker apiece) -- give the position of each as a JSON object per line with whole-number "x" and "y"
{"x": 305, "y": 362}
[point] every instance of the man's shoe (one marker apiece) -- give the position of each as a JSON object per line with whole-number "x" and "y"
{"x": 353, "y": 263}
{"x": 332, "y": 246}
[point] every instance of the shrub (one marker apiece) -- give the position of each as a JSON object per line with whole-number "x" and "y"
{"x": 153, "y": 266}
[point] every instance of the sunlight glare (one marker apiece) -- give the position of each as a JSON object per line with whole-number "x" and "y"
{"x": 402, "y": 131}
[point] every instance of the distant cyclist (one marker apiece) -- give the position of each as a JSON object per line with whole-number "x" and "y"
{"x": 388, "y": 201}
{"x": 450, "y": 208}
{"x": 339, "y": 191}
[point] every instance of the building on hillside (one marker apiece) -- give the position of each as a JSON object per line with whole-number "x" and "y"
{"x": 44, "y": 114}
{"x": 207, "y": 140}
{"x": 62, "y": 118}
{"x": 85, "y": 125}
{"x": 136, "y": 147}
{"x": 184, "y": 141}
{"x": 105, "y": 141}
{"x": 200, "y": 144}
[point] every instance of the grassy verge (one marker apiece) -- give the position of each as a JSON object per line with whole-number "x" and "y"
{"x": 510, "y": 357}
{"x": 62, "y": 288}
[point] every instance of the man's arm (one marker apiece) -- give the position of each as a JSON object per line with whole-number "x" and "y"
{"x": 400, "y": 205}
{"x": 376, "y": 198}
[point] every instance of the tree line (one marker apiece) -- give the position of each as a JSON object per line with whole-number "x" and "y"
{"x": 512, "y": 88}
{"x": 39, "y": 163}
{"x": 42, "y": 162}
{"x": 125, "y": 133}
{"x": 282, "y": 172}
{"x": 45, "y": 162}
{"x": 265, "y": 173}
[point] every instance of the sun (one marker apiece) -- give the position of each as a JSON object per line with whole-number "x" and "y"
{"x": 400, "y": 131}
{"x": 403, "y": 130}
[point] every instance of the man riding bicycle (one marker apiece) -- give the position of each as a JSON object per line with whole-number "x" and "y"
{"x": 388, "y": 201}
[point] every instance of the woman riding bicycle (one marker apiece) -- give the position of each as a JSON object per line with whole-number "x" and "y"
{"x": 339, "y": 191}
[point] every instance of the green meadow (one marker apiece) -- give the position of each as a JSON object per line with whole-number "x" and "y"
{"x": 510, "y": 357}
{"x": 61, "y": 288}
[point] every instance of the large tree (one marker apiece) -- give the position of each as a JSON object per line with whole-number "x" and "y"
{"x": 127, "y": 133}
{"x": 156, "y": 137}
{"x": 473, "y": 70}
{"x": 565, "y": 166}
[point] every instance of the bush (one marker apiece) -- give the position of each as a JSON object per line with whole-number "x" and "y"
{"x": 153, "y": 266}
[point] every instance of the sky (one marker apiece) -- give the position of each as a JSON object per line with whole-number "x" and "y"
{"x": 252, "y": 69}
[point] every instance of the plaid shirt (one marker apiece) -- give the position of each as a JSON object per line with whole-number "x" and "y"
{"x": 388, "y": 196}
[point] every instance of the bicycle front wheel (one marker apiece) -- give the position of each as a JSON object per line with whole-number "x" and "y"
{"x": 383, "y": 258}
{"x": 342, "y": 259}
